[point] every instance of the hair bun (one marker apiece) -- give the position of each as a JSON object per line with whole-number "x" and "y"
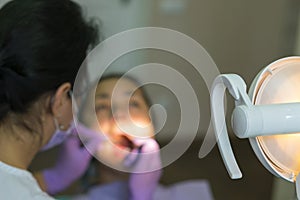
{"x": 9, "y": 91}
{"x": 7, "y": 77}
{"x": 4, "y": 99}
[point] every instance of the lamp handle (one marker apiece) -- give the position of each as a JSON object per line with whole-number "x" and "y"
{"x": 237, "y": 88}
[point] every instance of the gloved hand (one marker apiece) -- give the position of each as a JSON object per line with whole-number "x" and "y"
{"x": 146, "y": 169}
{"x": 73, "y": 159}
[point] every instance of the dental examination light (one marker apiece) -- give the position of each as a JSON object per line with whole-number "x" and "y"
{"x": 269, "y": 116}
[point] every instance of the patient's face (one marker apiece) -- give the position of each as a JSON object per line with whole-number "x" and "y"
{"x": 119, "y": 113}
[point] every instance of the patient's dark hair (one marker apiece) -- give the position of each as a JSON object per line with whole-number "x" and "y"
{"x": 42, "y": 45}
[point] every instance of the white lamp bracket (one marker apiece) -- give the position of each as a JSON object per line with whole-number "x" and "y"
{"x": 237, "y": 88}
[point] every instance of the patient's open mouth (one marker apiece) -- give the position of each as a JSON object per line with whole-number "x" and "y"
{"x": 124, "y": 141}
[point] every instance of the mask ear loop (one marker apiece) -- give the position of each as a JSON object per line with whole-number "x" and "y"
{"x": 57, "y": 125}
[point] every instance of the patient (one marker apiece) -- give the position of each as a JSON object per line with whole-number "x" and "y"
{"x": 120, "y": 112}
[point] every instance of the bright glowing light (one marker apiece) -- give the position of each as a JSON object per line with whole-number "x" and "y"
{"x": 281, "y": 86}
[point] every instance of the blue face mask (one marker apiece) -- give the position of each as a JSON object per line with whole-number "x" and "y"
{"x": 59, "y": 135}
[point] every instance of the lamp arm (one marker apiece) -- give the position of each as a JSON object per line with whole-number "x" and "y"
{"x": 237, "y": 88}
{"x": 261, "y": 120}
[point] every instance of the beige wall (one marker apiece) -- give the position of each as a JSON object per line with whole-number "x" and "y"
{"x": 241, "y": 36}
{"x": 297, "y": 43}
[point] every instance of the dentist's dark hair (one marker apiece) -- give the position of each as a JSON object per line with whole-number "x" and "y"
{"x": 42, "y": 45}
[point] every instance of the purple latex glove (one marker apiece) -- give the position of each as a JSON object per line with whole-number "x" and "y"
{"x": 73, "y": 159}
{"x": 146, "y": 169}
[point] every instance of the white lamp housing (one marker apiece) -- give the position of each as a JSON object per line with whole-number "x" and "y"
{"x": 269, "y": 116}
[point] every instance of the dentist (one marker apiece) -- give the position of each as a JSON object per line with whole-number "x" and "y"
{"x": 42, "y": 45}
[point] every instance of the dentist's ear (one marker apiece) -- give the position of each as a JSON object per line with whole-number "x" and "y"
{"x": 60, "y": 99}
